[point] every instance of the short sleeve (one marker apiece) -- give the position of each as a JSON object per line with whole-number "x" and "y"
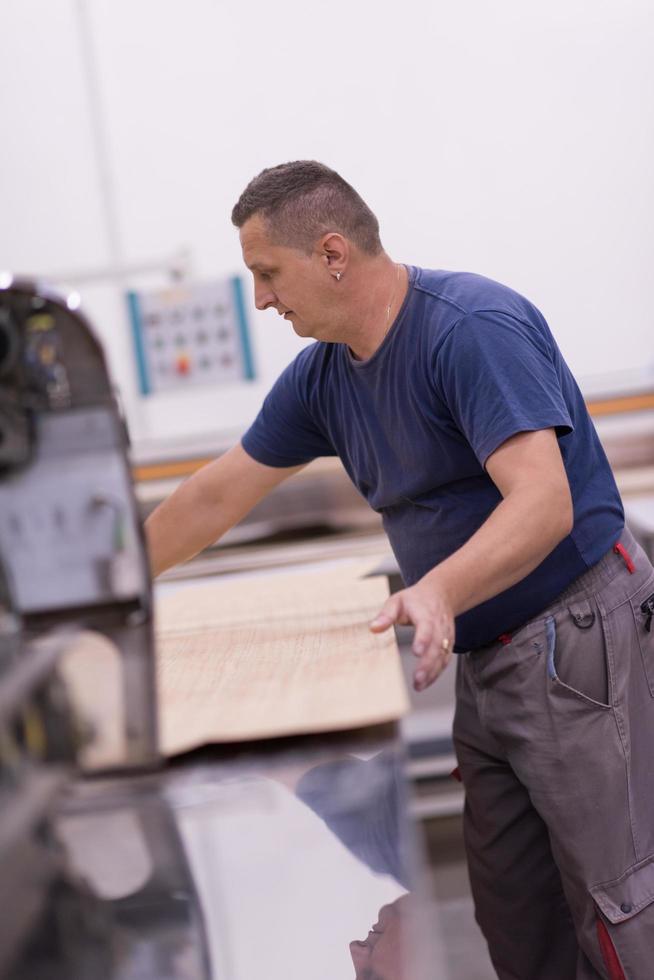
{"x": 286, "y": 432}
{"x": 498, "y": 377}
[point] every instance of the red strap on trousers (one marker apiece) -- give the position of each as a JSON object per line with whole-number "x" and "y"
{"x": 626, "y": 557}
{"x": 608, "y": 952}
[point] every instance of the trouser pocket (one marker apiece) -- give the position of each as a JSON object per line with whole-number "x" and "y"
{"x": 625, "y": 922}
{"x": 577, "y": 662}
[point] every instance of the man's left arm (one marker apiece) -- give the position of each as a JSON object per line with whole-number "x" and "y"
{"x": 534, "y": 515}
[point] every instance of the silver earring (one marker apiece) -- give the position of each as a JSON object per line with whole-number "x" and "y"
{"x": 338, "y": 277}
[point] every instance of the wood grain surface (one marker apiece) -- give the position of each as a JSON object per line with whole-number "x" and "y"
{"x": 276, "y": 654}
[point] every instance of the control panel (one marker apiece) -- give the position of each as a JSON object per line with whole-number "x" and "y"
{"x": 191, "y": 335}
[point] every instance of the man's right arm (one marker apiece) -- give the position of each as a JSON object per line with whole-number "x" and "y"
{"x": 207, "y": 505}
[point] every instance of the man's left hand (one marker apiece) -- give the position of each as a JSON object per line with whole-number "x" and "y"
{"x": 424, "y": 607}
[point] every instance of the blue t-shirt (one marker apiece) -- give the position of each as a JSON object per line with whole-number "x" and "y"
{"x": 467, "y": 364}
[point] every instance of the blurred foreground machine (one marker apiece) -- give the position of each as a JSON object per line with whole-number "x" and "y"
{"x": 72, "y": 559}
{"x": 116, "y": 865}
{"x": 70, "y": 539}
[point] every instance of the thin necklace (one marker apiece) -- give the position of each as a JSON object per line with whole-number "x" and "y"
{"x": 392, "y": 300}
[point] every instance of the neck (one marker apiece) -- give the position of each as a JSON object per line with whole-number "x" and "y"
{"x": 381, "y": 288}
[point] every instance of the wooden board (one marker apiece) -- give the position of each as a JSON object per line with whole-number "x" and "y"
{"x": 275, "y": 655}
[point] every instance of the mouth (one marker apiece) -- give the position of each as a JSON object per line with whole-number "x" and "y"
{"x": 371, "y": 939}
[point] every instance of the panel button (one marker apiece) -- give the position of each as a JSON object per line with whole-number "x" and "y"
{"x": 183, "y": 364}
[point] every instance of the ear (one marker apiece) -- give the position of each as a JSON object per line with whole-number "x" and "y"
{"x": 334, "y": 251}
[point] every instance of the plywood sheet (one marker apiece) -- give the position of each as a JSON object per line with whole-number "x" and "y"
{"x": 274, "y": 655}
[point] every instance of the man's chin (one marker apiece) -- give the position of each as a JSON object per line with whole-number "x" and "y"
{"x": 302, "y": 329}
{"x": 313, "y": 331}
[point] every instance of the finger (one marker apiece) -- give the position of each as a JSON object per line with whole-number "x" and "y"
{"x": 386, "y": 616}
{"x": 428, "y": 669}
{"x": 427, "y": 674}
{"x": 434, "y": 662}
{"x": 424, "y": 674}
{"x": 423, "y": 637}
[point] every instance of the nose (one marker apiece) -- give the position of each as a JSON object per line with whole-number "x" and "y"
{"x": 264, "y": 296}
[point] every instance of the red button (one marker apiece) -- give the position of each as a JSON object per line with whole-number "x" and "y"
{"x": 183, "y": 364}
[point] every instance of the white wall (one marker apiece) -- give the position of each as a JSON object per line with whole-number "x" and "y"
{"x": 511, "y": 138}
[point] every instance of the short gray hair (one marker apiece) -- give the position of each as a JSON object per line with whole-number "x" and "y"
{"x": 302, "y": 200}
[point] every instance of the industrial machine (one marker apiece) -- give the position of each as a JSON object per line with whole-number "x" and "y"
{"x": 70, "y": 539}
{"x": 72, "y": 559}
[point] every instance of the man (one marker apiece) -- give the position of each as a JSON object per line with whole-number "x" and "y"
{"x": 382, "y": 955}
{"x": 449, "y": 403}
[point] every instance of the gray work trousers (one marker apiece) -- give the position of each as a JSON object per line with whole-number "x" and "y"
{"x": 554, "y": 734}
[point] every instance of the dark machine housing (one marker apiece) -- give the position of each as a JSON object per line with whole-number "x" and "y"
{"x": 72, "y": 560}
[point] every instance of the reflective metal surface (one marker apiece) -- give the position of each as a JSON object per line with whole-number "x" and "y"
{"x": 293, "y": 859}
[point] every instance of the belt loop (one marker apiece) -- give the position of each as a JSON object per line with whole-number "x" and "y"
{"x": 620, "y": 549}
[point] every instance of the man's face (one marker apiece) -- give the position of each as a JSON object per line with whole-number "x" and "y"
{"x": 382, "y": 955}
{"x": 287, "y": 280}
